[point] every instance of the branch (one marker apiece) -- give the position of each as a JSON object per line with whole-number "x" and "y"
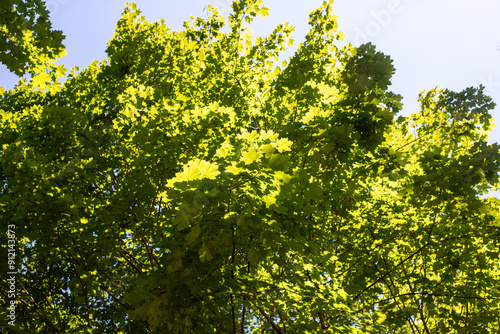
{"x": 268, "y": 318}
{"x": 152, "y": 257}
{"x": 324, "y": 324}
{"x": 386, "y": 274}
{"x": 122, "y": 251}
{"x": 36, "y": 309}
{"x": 322, "y": 320}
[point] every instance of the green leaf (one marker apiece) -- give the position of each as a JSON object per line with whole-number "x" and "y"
{"x": 250, "y": 156}
{"x": 193, "y": 234}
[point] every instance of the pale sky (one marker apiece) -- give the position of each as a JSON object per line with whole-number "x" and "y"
{"x": 445, "y": 43}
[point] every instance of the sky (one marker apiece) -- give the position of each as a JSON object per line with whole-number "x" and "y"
{"x": 443, "y": 43}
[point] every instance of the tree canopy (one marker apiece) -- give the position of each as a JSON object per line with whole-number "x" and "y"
{"x": 193, "y": 182}
{"x": 27, "y": 41}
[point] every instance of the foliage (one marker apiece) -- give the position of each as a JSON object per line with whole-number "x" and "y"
{"x": 188, "y": 184}
{"x": 27, "y": 41}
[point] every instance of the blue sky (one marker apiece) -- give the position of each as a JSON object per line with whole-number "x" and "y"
{"x": 450, "y": 44}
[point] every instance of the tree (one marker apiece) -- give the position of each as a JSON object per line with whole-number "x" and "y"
{"x": 188, "y": 184}
{"x": 27, "y": 41}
